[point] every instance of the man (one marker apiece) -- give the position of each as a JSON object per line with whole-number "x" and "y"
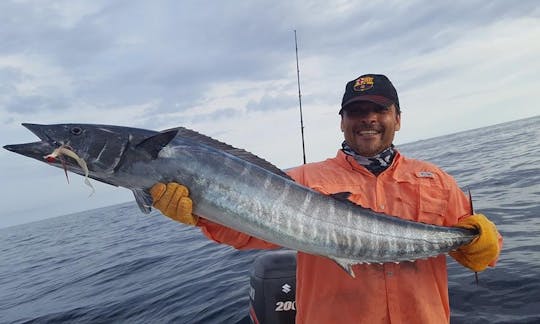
{"x": 378, "y": 177}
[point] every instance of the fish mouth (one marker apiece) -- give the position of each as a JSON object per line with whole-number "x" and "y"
{"x": 36, "y": 150}
{"x": 53, "y": 152}
{"x": 39, "y": 131}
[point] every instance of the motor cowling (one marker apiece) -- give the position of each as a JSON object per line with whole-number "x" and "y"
{"x": 272, "y": 292}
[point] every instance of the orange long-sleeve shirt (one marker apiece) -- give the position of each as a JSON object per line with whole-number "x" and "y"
{"x": 408, "y": 292}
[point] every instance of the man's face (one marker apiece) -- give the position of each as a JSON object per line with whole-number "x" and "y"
{"x": 369, "y": 128}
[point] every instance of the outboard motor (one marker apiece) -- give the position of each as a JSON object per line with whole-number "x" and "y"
{"x": 273, "y": 288}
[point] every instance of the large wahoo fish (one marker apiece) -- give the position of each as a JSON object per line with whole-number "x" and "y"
{"x": 237, "y": 189}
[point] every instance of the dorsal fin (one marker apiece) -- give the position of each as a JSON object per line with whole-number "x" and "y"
{"x": 239, "y": 153}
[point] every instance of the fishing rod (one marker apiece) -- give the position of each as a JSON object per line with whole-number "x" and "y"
{"x": 299, "y": 98}
{"x": 472, "y": 213}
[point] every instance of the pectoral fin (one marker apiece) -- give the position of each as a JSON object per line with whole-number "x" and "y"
{"x": 144, "y": 200}
{"x": 341, "y": 196}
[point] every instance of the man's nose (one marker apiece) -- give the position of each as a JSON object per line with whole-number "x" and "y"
{"x": 368, "y": 115}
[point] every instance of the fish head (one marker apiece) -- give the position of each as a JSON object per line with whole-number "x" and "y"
{"x": 101, "y": 147}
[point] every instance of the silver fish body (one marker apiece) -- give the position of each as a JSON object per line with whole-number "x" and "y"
{"x": 233, "y": 188}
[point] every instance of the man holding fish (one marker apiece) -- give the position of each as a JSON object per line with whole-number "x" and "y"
{"x": 374, "y": 175}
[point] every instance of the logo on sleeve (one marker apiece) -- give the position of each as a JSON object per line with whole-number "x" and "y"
{"x": 425, "y": 174}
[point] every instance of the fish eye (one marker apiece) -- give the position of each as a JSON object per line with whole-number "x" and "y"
{"x": 76, "y": 130}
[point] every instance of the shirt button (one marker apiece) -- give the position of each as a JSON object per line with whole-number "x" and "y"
{"x": 382, "y": 206}
{"x": 389, "y": 273}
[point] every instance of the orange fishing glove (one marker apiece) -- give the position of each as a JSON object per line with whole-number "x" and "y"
{"x": 484, "y": 249}
{"x": 173, "y": 201}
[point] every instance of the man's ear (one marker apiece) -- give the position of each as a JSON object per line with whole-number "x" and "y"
{"x": 398, "y": 119}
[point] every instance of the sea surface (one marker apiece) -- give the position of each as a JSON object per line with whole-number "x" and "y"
{"x": 116, "y": 265}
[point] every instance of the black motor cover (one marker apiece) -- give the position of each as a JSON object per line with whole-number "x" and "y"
{"x": 273, "y": 288}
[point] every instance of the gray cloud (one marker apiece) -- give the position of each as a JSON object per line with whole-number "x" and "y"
{"x": 129, "y": 52}
{"x": 272, "y": 102}
{"x": 34, "y": 103}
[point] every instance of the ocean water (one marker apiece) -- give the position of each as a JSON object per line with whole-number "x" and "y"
{"x": 115, "y": 264}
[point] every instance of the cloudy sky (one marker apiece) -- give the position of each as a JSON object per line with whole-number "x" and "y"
{"x": 228, "y": 69}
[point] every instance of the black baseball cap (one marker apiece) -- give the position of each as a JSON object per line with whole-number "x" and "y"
{"x": 375, "y": 88}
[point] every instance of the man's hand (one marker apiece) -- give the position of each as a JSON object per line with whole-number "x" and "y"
{"x": 484, "y": 249}
{"x": 173, "y": 201}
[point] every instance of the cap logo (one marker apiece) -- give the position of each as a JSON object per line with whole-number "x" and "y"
{"x": 363, "y": 84}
